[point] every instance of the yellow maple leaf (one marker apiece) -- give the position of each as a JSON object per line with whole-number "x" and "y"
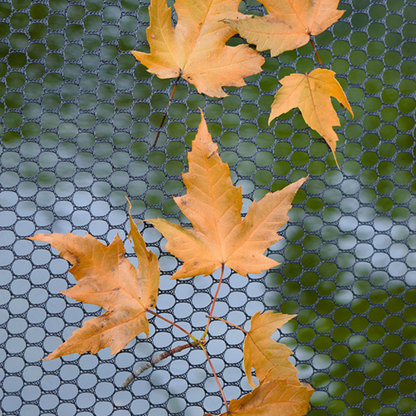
{"x": 213, "y": 205}
{"x": 268, "y": 357}
{"x": 195, "y": 49}
{"x": 108, "y": 279}
{"x": 288, "y": 25}
{"x": 312, "y": 93}
{"x": 272, "y": 398}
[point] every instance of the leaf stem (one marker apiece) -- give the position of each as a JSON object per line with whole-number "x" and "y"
{"x": 213, "y": 302}
{"x": 227, "y": 322}
{"x": 316, "y": 52}
{"x": 166, "y": 112}
{"x": 156, "y": 360}
{"x": 216, "y": 378}
{"x": 175, "y": 325}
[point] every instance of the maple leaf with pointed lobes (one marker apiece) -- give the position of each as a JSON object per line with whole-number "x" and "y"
{"x": 108, "y": 279}
{"x": 268, "y": 357}
{"x": 195, "y": 49}
{"x": 213, "y": 205}
{"x": 312, "y": 94}
{"x": 272, "y": 398}
{"x": 288, "y": 25}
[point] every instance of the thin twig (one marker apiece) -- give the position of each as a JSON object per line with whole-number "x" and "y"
{"x": 316, "y": 53}
{"x": 227, "y": 322}
{"x": 216, "y": 378}
{"x": 156, "y": 360}
{"x": 166, "y": 112}
{"x": 213, "y": 302}
{"x": 175, "y": 325}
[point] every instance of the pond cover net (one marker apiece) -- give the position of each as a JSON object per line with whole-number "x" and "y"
{"x": 78, "y": 116}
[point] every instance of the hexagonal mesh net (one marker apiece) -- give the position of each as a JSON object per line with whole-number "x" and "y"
{"x": 79, "y": 115}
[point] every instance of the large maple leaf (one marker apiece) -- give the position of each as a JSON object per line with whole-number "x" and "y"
{"x": 108, "y": 279}
{"x": 213, "y": 205}
{"x": 268, "y": 357}
{"x": 272, "y": 398}
{"x": 312, "y": 94}
{"x": 195, "y": 49}
{"x": 288, "y": 25}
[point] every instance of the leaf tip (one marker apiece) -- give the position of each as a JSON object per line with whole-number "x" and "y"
{"x": 202, "y": 115}
{"x": 128, "y": 201}
{"x": 135, "y": 54}
{"x": 41, "y": 237}
{"x": 51, "y": 356}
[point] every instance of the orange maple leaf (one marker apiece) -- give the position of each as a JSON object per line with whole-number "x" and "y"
{"x": 195, "y": 49}
{"x": 312, "y": 94}
{"x": 268, "y": 357}
{"x": 272, "y": 398}
{"x": 288, "y": 25}
{"x": 213, "y": 205}
{"x": 108, "y": 279}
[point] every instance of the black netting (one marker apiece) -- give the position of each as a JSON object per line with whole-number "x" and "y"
{"x": 78, "y": 115}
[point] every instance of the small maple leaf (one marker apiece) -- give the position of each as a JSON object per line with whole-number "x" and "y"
{"x": 268, "y": 357}
{"x": 288, "y": 25}
{"x": 213, "y": 205}
{"x": 195, "y": 49}
{"x": 108, "y": 279}
{"x": 272, "y": 398}
{"x": 312, "y": 94}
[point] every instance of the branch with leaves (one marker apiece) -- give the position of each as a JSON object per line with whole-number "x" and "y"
{"x": 196, "y": 50}
{"x": 219, "y": 238}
